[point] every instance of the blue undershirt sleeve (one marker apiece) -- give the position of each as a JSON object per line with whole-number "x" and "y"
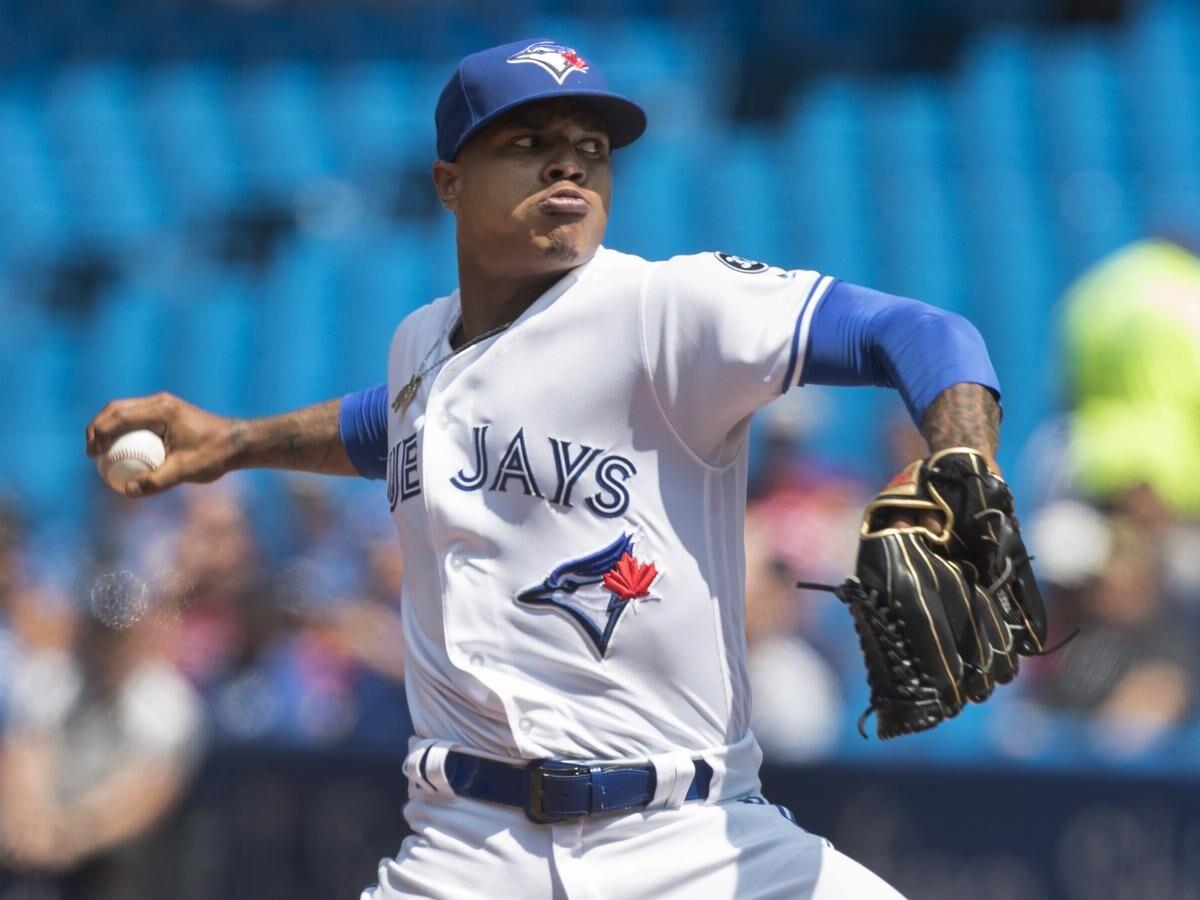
{"x": 865, "y": 337}
{"x": 362, "y": 423}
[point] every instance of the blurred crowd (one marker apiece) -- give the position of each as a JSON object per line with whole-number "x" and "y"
{"x": 264, "y": 611}
{"x": 175, "y": 627}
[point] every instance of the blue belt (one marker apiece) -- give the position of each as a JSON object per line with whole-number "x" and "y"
{"x": 549, "y": 790}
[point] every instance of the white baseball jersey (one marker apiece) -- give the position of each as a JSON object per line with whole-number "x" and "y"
{"x": 569, "y": 496}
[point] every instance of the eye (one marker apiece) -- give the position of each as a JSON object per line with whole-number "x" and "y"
{"x": 527, "y": 141}
{"x": 593, "y": 146}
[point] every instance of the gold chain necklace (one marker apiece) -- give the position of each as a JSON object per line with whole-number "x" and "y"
{"x": 406, "y": 394}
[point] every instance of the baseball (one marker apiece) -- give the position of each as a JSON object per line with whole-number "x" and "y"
{"x": 129, "y": 456}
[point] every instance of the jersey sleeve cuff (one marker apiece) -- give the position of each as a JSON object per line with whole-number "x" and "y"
{"x": 362, "y": 424}
{"x": 795, "y": 368}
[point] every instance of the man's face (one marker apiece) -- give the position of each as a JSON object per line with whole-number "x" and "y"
{"x": 532, "y": 190}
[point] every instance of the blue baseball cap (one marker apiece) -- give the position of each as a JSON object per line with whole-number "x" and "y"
{"x": 493, "y": 81}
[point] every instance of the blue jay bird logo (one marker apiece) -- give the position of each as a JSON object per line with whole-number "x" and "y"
{"x": 594, "y": 590}
{"x": 556, "y": 59}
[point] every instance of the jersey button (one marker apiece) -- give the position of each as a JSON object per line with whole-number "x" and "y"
{"x": 526, "y": 725}
{"x": 457, "y": 561}
{"x": 477, "y": 659}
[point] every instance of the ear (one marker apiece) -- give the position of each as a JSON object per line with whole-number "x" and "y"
{"x": 447, "y": 180}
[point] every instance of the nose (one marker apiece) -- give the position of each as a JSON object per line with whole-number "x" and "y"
{"x": 564, "y": 166}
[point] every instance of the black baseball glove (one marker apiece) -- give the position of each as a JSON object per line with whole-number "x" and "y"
{"x": 942, "y": 617}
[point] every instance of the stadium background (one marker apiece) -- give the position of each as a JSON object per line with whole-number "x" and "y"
{"x": 230, "y": 201}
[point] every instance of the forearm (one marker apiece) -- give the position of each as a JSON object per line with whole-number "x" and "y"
{"x": 202, "y": 446}
{"x": 305, "y": 440}
{"x": 963, "y": 415}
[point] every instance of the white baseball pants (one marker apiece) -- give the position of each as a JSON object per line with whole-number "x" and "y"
{"x": 740, "y": 849}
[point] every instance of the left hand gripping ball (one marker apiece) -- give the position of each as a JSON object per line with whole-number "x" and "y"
{"x": 131, "y": 455}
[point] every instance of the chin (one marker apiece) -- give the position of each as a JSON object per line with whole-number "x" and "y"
{"x": 567, "y": 244}
{"x": 560, "y": 248}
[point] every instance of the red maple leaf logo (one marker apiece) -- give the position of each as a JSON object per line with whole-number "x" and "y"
{"x": 630, "y": 579}
{"x": 575, "y": 60}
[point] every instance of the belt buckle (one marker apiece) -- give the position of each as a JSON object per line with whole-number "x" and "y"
{"x": 533, "y": 798}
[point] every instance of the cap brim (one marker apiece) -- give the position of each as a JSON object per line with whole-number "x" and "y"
{"x": 625, "y": 120}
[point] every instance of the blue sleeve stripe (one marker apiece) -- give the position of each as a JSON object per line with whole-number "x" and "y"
{"x": 362, "y": 424}
{"x": 800, "y": 335}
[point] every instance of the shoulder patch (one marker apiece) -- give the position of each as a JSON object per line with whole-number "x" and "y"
{"x": 741, "y": 264}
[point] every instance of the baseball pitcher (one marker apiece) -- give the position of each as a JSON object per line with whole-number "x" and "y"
{"x": 563, "y": 440}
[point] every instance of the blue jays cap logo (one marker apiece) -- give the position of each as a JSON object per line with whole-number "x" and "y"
{"x": 594, "y": 590}
{"x": 557, "y": 59}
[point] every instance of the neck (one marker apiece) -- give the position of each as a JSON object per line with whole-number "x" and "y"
{"x": 491, "y": 300}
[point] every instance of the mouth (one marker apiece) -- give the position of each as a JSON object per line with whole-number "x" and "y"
{"x": 565, "y": 202}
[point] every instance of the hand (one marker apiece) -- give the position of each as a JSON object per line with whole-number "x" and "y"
{"x": 201, "y": 447}
{"x": 933, "y": 522}
{"x": 942, "y": 596}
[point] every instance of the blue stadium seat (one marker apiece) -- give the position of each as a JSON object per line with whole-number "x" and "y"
{"x": 1078, "y": 99}
{"x": 42, "y": 392}
{"x": 919, "y": 231}
{"x": 826, "y": 148}
{"x": 908, "y": 125}
{"x": 992, "y": 99}
{"x": 387, "y": 276}
{"x": 36, "y": 217}
{"x": 743, "y": 211}
{"x": 24, "y": 323}
{"x": 298, "y": 326}
{"x": 655, "y": 202}
{"x": 656, "y": 55}
{"x": 208, "y": 341}
{"x": 1010, "y": 220}
{"x": 1018, "y": 274}
{"x": 825, "y": 145}
{"x": 1161, "y": 85}
{"x": 185, "y": 108}
{"x": 1085, "y": 147}
{"x": 124, "y": 343}
{"x": 100, "y": 147}
{"x": 372, "y": 118}
{"x": 278, "y": 123}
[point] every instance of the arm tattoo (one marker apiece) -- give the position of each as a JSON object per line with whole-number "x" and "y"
{"x": 307, "y": 440}
{"x": 963, "y": 415}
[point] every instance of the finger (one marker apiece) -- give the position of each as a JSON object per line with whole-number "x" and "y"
{"x": 91, "y": 434}
{"x": 173, "y": 470}
{"x": 121, "y": 416}
{"x": 112, "y": 421}
{"x": 932, "y": 522}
